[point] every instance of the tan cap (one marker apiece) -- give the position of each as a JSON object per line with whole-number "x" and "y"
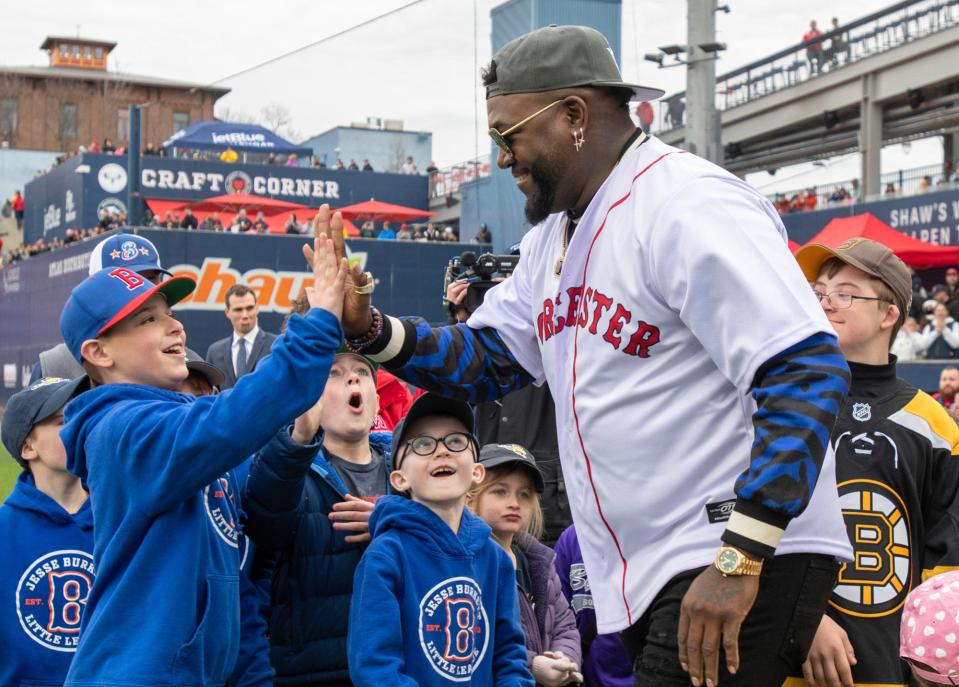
{"x": 870, "y": 256}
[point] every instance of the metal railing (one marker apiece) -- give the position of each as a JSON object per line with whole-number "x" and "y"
{"x": 903, "y": 182}
{"x": 447, "y": 181}
{"x": 875, "y": 33}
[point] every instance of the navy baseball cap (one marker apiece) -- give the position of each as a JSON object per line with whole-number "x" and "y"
{"x": 432, "y": 404}
{"x": 126, "y": 250}
{"x": 35, "y": 403}
{"x": 493, "y": 455}
{"x": 103, "y": 300}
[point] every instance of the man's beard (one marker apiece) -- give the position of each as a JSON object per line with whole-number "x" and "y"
{"x": 539, "y": 205}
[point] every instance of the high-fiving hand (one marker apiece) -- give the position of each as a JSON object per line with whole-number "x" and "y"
{"x": 328, "y": 277}
{"x": 355, "y": 307}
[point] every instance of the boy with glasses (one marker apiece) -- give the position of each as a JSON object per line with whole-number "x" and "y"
{"x": 896, "y": 469}
{"x": 434, "y": 597}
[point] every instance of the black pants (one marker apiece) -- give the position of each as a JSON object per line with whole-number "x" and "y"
{"x": 773, "y": 640}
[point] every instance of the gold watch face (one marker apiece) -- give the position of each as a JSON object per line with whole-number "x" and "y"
{"x": 728, "y": 560}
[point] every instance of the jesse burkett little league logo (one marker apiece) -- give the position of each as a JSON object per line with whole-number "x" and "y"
{"x": 51, "y": 596}
{"x": 218, "y": 499}
{"x": 454, "y": 628}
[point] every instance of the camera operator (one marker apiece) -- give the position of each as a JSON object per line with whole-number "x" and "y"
{"x": 526, "y": 417}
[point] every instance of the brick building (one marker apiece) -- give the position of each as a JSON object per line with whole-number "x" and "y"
{"x": 77, "y": 99}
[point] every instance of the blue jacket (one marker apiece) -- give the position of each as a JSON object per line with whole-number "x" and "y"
{"x": 434, "y": 607}
{"x": 290, "y": 493}
{"x": 46, "y": 572}
{"x": 165, "y": 609}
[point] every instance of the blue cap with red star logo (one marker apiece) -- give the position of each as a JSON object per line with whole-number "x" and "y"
{"x": 126, "y": 250}
{"x": 105, "y": 299}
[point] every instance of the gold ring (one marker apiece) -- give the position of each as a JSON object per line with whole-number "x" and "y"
{"x": 367, "y": 288}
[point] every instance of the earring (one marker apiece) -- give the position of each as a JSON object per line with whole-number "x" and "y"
{"x": 578, "y": 140}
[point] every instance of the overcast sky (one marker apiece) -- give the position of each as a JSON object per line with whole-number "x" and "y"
{"x": 419, "y": 64}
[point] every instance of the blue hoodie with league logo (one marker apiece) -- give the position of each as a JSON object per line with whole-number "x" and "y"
{"x": 434, "y": 607}
{"x": 166, "y": 605}
{"x": 46, "y": 573}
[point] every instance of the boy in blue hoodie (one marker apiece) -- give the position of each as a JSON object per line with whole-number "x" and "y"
{"x": 165, "y": 608}
{"x": 46, "y": 527}
{"x": 434, "y": 598}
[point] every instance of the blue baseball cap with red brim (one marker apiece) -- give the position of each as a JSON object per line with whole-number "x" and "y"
{"x": 106, "y": 298}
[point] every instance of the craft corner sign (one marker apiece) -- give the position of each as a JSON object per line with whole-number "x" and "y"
{"x": 237, "y": 181}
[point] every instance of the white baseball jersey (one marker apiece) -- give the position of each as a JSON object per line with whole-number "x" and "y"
{"x": 676, "y": 287}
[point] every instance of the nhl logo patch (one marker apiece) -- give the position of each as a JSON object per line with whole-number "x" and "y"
{"x": 861, "y": 412}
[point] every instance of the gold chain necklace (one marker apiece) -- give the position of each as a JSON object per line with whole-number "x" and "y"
{"x": 558, "y": 267}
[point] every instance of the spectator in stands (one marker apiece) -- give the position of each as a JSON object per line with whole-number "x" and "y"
{"x": 450, "y": 234}
{"x": 907, "y": 345}
{"x": 840, "y": 195}
{"x": 189, "y": 220}
{"x": 404, "y": 234}
{"x": 315, "y": 161}
{"x": 838, "y": 45}
{"x": 925, "y": 184}
{"x": 940, "y": 337}
{"x": 409, "y": 167}
{"x": 94, "y": 146}
{"x": 483, "y": 235}
{"x": 292, "y": 226}
{"x": 271, "y": 159}
{"x": 212, "y": 222}
{"x": 814, "y": 51}
{"x": 18, "y": 205}
{"x": 150, "y": 149}
{"x": 941, "y": 294}
{"x": 241, "y": 223}
{"x": 108, "y": 146}
{"x": 368, "y": 230}
{"x": 229, "y": 156}
{"x": 810, "y": 199}
{"x": 418, "y": 234}
{"x": 353, "y": 166}
{"x": 856, "y": 194}
{"x": 367, "y": 167}
{"x": 338, "y": 164}
{"x": 432, "y": 233}
{"x": 891, "y": 190}
{"x": 386, "y": 232}
{"x": 948, "y": 386}
{"x": 646, "y": 115}
{"x": 431, "y": 168}
{"x": 291, "y": 161}
{"x": 781, "y": 203}
{"x": 675, "y": 111}
{"x": 259, "y": 225}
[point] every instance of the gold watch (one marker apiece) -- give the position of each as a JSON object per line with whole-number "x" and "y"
{"x": 731, "y": 561}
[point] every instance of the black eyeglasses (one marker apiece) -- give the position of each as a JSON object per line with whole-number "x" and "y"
{"x": 840, "y": 300}
{"x": 424, "y": 445}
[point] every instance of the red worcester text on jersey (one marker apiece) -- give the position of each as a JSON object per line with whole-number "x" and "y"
{"x": 600, "y": 315}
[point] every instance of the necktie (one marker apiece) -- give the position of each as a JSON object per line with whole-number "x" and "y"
{"x": 241, "y": 359}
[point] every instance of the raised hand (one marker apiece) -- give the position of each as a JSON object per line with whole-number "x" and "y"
{"x": 356, "y": 307}
{"x": 328, "y": 277}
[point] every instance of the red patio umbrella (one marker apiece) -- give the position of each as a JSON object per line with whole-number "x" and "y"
{"x": 234, "y": 202}
{"x": 917, "y": 254}
{"x": 382, "y": 212}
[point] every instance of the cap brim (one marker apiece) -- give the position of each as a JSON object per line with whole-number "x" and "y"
{"x": 211, "y": 372}
{"x": 538, "y": 482}
{"x": 62, "y": 396}
{"x": 811, "y": 258}
{"x": 140, "y": 269}
{"x": 175, "y": 290}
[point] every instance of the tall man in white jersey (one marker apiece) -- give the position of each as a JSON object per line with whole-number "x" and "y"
{"x": 710, "y": 524}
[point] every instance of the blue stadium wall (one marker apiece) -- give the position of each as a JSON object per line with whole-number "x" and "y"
{"x": 409, "y": 281}
{"x": 72, "y": 194}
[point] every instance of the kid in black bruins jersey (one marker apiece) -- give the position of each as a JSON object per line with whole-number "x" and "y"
{"x": 897, "y": 468}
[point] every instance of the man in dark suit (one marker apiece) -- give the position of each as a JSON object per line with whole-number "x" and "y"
{"x": 239, "y": 353}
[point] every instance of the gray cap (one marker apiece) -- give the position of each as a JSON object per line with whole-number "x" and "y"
{"x": 35, "y": 403}
{"x": 426, "y": 405}
{"x": 557, "y": 57}
{"x": 493, "y": 455}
